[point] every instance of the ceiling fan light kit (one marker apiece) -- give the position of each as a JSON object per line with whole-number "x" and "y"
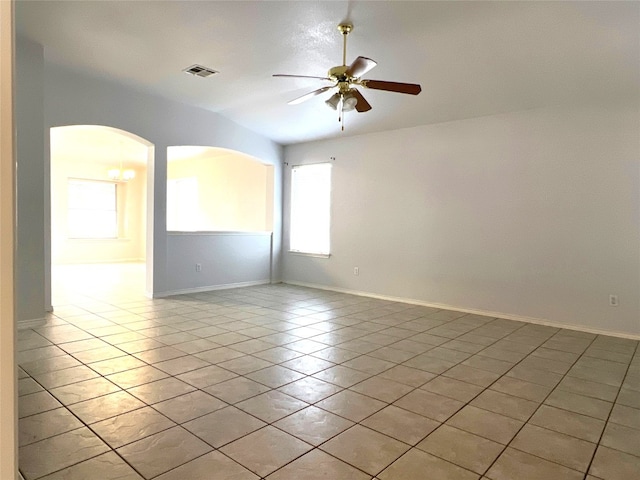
{"x": 346, "y": 78}
{"x": 349, "y": 101}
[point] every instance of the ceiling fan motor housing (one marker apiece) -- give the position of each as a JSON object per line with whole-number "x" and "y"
{"x": 338, "y": 73}
{"x": 344, "y": 80}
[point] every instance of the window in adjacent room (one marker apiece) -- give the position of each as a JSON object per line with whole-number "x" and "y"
{"x": 183, "y": 210}
{"x": 310, "y": 208}
{"x": 92, "y": 209}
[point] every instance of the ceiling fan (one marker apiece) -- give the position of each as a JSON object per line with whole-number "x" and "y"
{"x": 346, "y": 78}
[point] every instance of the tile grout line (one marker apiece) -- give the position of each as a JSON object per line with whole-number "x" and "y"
{"x": 606, "y": 422}
{"x": 173, "y": 376}
{"x": 541, "y": 403}
{"x": 317, "y": 447}
{"x": 416, "y": 388}
{"x": 468, "y": 402}
{"x": 360, "y": 355}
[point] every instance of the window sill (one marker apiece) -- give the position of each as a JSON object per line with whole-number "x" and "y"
{"x": 94, "y": 240}
{"x": 219, "y": 232}
{"x": 309, "y": 254}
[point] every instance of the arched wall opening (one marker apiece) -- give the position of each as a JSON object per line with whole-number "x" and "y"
{"x": 101, "y": 206}
{"x": 217, "y": 189}
{"x": 220, "y": 219}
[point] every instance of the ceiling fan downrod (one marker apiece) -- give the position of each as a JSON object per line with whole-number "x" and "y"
{"x": 345, "y": 29}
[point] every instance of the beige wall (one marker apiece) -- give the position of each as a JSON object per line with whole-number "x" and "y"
{"x": 235, "y": 191}
{"x": 8, "y": 385}
{"x": 67, "y": 163}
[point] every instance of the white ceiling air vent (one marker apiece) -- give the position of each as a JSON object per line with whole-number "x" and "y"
{"x": 200, "y": 71}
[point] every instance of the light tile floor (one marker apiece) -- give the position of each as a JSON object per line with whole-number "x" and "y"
{"x": 286, "y": 383}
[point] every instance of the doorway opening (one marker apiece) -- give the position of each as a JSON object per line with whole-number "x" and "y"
{"x": 101, "y": 208}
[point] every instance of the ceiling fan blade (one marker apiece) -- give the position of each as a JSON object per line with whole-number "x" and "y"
{"x": 362, "y": 105}
{"x": 310, "y": 95}
{"x": 300, "y": 76}
{"x": 360, "y": 66}
{"x": 410, "y": 88}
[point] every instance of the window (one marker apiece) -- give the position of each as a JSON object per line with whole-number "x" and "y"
{"x": 183, "y": 212}
{"x": 310, "y": 208}
{"x": 92, "y": 209}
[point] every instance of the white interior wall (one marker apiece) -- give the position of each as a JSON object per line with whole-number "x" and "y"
{"x": 226, "y": 260}
{"x": 31, "y": 185}
{"x": 531, "y": 215}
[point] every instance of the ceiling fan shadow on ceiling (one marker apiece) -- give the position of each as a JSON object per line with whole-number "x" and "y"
{"x": 346, "y": 78}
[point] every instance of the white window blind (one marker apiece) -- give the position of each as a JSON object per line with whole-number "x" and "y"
{"x": 310, "y": 208}
{"x": 92, "y": 209}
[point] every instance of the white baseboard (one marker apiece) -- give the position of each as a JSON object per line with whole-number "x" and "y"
{"x": 209, "y": 288}
{"x": 486, "y": 313}
{"x": 31, "y": 323}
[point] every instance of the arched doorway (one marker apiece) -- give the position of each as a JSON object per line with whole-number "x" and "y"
{"x": 99, "y": 214}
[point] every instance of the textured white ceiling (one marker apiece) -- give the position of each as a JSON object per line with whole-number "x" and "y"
{"x": 471, "y": 58}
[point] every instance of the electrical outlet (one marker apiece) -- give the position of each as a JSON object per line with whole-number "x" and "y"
{"x": 356, "y": 271}
{"x": 198, "y": 267}
{"x": 613, "y": 300}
